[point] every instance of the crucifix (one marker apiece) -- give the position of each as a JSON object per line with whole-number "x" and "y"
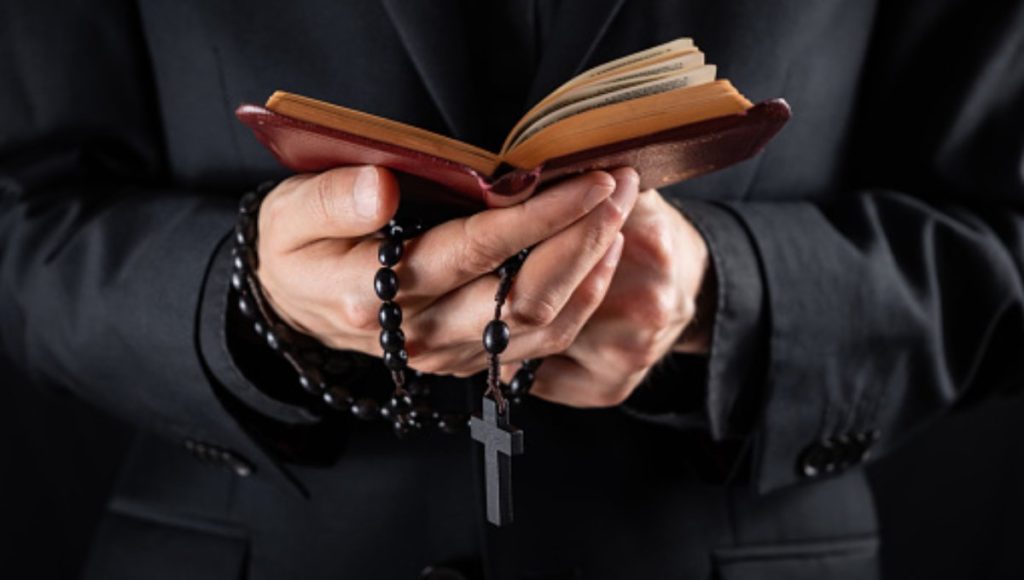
{"x": 501, "y": 441}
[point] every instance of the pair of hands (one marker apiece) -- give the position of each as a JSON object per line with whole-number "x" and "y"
{"x": 607, "y": 291}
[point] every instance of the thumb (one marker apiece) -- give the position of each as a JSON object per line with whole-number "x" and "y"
{"x": 346, "y": 202}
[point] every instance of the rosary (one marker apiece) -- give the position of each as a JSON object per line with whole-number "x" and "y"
{"x": 492, "y": 427}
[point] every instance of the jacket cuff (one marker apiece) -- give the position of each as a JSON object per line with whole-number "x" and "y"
{"x": 214, "y": 344}
{"x": 812, "y": 423}
{"x": 736, "y": 362}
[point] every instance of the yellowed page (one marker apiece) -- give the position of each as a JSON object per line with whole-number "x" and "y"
{"x": 367, "y": 125}
{"x": 628, "y": 120}
{"x": 646, "y": 72}
{"x": 669, "y": 82}
{"x": 607, "y": 73}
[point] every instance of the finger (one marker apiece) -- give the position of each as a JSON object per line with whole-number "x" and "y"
{"x": 449, "y": 255}
{"x": 557, "y": 266}
{"x": 563, "y": 380}
{"x": 340, "y": 203}
{"x": 585, "y": 300}
{"x": 531, "y": 344}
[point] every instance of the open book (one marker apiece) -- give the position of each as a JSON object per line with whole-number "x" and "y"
{"x": 660, "y": 110}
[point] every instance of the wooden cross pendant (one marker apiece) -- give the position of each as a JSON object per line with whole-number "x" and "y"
{"x": 501, "y": 441}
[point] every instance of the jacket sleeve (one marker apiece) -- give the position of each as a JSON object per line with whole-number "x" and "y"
{"x": 886, "y": 304}
{"x": 103, "y": 260}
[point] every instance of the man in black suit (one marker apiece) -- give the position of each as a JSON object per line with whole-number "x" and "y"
{"x": 866, "y": 272}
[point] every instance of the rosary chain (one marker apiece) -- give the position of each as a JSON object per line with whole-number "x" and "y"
{"x": 405, "y": 409}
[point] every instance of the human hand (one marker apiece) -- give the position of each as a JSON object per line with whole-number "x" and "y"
{"x": 318, "y": 257}
{"x": 652, "y": 299}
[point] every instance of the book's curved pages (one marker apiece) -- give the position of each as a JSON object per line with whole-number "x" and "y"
{"x": 659, "y": 111}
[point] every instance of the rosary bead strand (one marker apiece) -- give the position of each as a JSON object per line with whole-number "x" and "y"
{"x": 402, "y": 408}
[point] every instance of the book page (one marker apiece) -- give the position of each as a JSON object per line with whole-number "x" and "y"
{"x": 654, "y": 53}
{"x": 628, "y": 77}
{"x": 701, "y": 75}
{"x": 627, "y": 120}
{"x": 366, "y": 125}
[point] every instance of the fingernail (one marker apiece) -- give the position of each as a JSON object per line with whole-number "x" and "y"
{"x": 625, "y": 190}
{"x": 611, "y": 257}
{"x": 364, "y": 192}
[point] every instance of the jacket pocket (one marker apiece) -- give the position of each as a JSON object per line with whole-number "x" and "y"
{"x": 846, "y": 559}
{"x": 136, "y": 542}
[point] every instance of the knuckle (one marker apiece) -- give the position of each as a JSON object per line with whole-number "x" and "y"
{"x": 359, "y": 314}
{"x": 651, "y": 244}
{"x": 603, "y": 228}
{"x": 561, "y": 339}
{"x": 642, "y": 353}
{"x": 591, "y": 292}
{"x": 612, "y": 215}
{"x": 533, "y": 311}
{"x": 653, "y": 309}
{"x": 482, "y": 251}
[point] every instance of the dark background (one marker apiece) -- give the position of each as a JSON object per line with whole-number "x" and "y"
{"x": 951, "y": 501}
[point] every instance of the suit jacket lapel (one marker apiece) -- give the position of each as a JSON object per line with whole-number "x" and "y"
{"x": 434, "y": 35}
{"x": 576, "y": 32}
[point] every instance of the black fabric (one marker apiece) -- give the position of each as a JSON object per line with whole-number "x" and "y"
{"x": 876, "y": 247}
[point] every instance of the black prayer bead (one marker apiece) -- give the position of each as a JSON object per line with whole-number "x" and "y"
{"x": 337, "y": 397}
{"x": 245, "y": 305}
{"x": 365, "y": 409}
{"x": 418, "y": 388}
{"x": 421, "y": 413}
{"x": 400, "y": 427}
{"x": 400, "y": 402}
{"x": 385, "y": 283}
{"x": 531, "y": 364}
{"x": 237, "y": 280}
{"x": 273, "y": 341}
{"x": 249, "y": 203}
{"x": 278, "y": 336}
{"x": 392, "y": 340}
{"x": 265, "y": 187}
{"x": 521, "y": 382}
{"x": 390, "y": 316}
{"x": 390, "y": 252}
{"x": 394, "y": 230}
{"x": 259, "y": 327}
{"x": 511, "y": 266}
{"x": 411, "y": 227}
{"x": 245, "y": 231}
{"x": 496, "y": 336}
{"x": 245, "y": 261}
{"x": 397, "y": 360}
{"x": 312, "y": 381}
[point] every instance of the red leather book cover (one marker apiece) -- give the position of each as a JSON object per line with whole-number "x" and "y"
{"x": 661, "y": 158}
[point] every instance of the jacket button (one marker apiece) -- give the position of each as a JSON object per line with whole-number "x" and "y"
{"x": 847, "y": 453}
{"x": 219, "y": 456}
{"x": 817, "y": 459}
{"x": 862, "y": 443}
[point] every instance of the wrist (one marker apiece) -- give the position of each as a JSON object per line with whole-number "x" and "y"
{"x": 699, "y": 289}
{"x": 696, "y": 335}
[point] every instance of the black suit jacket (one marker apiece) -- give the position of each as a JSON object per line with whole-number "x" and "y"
{"x": 869, "y": 266}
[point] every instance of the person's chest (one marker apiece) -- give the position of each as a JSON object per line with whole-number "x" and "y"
{"x": 425, "y": 64}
